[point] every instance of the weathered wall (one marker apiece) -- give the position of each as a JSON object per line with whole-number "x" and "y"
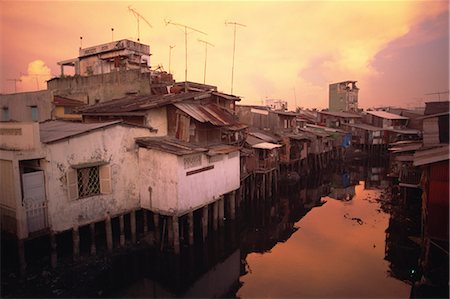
{"x": 158, "y": 179}
{"x": 59, "y": 113}
{"x": 157, "y": 118}
{"x": 113, "y": 144}
{"x": 19, "y": 135}
{"x": 199, "y": 189}
{"x": 7, "y": 197}
{"x": 19, "y": 105}
{"x": 431, "y": 131}
{"x": 104, "y": 87}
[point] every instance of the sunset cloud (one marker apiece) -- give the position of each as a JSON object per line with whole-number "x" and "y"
{"x": 37, "y": 75}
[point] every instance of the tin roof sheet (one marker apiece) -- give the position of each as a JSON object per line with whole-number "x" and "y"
{"x": 266, "y": 145}
{"x": 170, "y": 145}
{"x": 340, "y": 114}
{"x": 386, "y": 115}
{"x": 431, "y": 155}
{"x": 57, "y": 130}
{"x": 364, "y": 127}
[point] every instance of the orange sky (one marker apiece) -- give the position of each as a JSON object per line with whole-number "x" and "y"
{"x": 396, "y": 50}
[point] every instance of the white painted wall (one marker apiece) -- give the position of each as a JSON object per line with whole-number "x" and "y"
{"x": 205, "y": 187}
{"x": 158, "y": 180}
{"x": 113, "y": 144}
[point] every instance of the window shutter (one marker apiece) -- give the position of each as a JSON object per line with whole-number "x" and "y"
{"x": 72, "y": 184}
{"x": 105, "y": 179}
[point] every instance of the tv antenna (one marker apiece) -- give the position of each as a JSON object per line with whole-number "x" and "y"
{"x": 15, "y": 83}
{"x": 438, "y": 93}
{"x": 170, "y": 55}
{"x": 206, "y": 55}
{"x": 234, "y": 48}
{"x": 36, "y": 77}
{"x": 138, "y": 18}
{"x": 185, "y": 45}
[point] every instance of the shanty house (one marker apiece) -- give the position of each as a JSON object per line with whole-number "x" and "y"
{"x": 335, "y": 119}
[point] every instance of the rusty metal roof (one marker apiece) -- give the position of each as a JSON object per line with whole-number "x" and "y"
{"x": 386, "y": 115}
{"x": 66, "y": 102}
{"x": 340, "y": 114}
{"x": 57, "y": 130}
{"x": 170, "y": 145}
{"x": 210, "y": 113}
{"x": 141, "y": 102}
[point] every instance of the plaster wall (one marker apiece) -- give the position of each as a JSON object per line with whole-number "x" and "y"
{"x": 114, "y": 145}
{"x": 158, "y": 180}
{"x": 19, "y": 105}
{"x": 19, "y": 135}
{"x": 157, "y": 118}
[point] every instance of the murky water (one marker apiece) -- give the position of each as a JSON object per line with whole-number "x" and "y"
{"x": 337, "y": 251}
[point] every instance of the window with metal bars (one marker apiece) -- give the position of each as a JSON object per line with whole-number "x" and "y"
{"x": 88, "y": 181}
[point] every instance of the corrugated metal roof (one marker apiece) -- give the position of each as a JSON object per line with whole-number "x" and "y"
{"x": 266, "y": 145}
{"x": 209, "y": 113}
{"x": 364, "y": 127}
{"x": 62, "y": 101}
{"x": 432, "y": 155}
{"x": 141, "y": 102}
{"x": 264, "y": 136}
{"x": 57, "y": 130}
{"x": 386, "y": 115}
{"x": 340, "y": 114}
{"x": 170, "y": 145}
{"x": 221, "y": 149}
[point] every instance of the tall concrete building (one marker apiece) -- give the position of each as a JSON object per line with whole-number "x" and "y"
{"x": 343, "y": 96}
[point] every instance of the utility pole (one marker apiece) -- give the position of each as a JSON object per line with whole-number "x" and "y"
{"x": 295, "y": 100}
{"x": 206, "y": 55}
{"x": 15, "y": 83}
{"x": 138, "y": 17}
{"x": 170, "y": 55}
{"x": 185, "y": 45}
{"x": 438, "y": 93}
{"x": 234, "y": 48}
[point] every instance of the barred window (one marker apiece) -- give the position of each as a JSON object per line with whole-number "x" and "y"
{"x": 88, "y": 181}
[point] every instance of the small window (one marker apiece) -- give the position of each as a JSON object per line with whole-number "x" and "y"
{"x": 5, "y": 114}
{"x": 34, "y": 113}
{"x": 68, "y": 110}
{"x": 88, "y": 180}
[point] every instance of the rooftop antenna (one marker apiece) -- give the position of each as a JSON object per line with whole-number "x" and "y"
{"x": 185, "y": 45}
{"x": 206, "y": 55}
{"x": 170, "y": 55}
{"x": 295, "y": 100}
{"x": 438, "y": 93}
{"x": 36, "y": 77}
{"x": 234, "y": 48}
{"x": 138, "y": 17}
{"x": 81, "y": 42}
{"x": 112, "y": 34}
{"x": 15, "y": 83}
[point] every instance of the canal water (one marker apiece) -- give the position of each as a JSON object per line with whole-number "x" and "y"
{"x": 333, "y": 234}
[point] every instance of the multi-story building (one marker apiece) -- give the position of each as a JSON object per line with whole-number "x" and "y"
{"x": 343, "y": 96}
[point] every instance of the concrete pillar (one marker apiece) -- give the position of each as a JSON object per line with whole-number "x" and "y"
{"x": 93, "y": 247}
{"x": 191, "y": 227}
{"x": 22, "y": 259}
{"x": 133, "y": 226}
{"x": 76, "y": 243}
{"x": 176, "y": 235}
{"x": 122, "y": 231}
{"x": 232, "y": 204}
{"x": 205, "y": 222}
{"x": 108, "y": 228}
{"x": 215, "y": 214}
{"x": 221, "y": 210}
{"x": 53, "y": 253}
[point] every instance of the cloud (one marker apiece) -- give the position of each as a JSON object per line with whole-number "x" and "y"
{"x": 37, "y": 75}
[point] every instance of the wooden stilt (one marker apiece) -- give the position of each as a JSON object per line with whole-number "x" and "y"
{"x": 205, "y": 222}
{"x": 145, "y": 221}
{"x": 122, "y": 231}
{"x": 170, "y": 235}
{"x": 215, "y": 214}
{"x": 176, "y": 235}
{"x": 93, "y": 247}
{"x": 133, "y": 226}
{"x": 232, "y": 205}
{"x": 53, "y": 252}
{"x": 22, "y": 259}
{"x": 76, "y": 243}
{"x": 156, "y": 228}
{"x": 221, "y": 210}
{"x": 191, "y": 227}
{"x": 108, "y": 228}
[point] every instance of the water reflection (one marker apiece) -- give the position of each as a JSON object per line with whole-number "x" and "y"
{"x": 323, "y": 236}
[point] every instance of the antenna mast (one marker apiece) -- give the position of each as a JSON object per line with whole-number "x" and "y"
{"x": 170, "y": 55}
{"x": 138, "y": 17}
{"x": 206, "y": 55}
{"x": 234, "y": 49}
{"x": 15, "y": 83}
{"x": 185, "y": 45}
{"x": 438, "y": 93}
